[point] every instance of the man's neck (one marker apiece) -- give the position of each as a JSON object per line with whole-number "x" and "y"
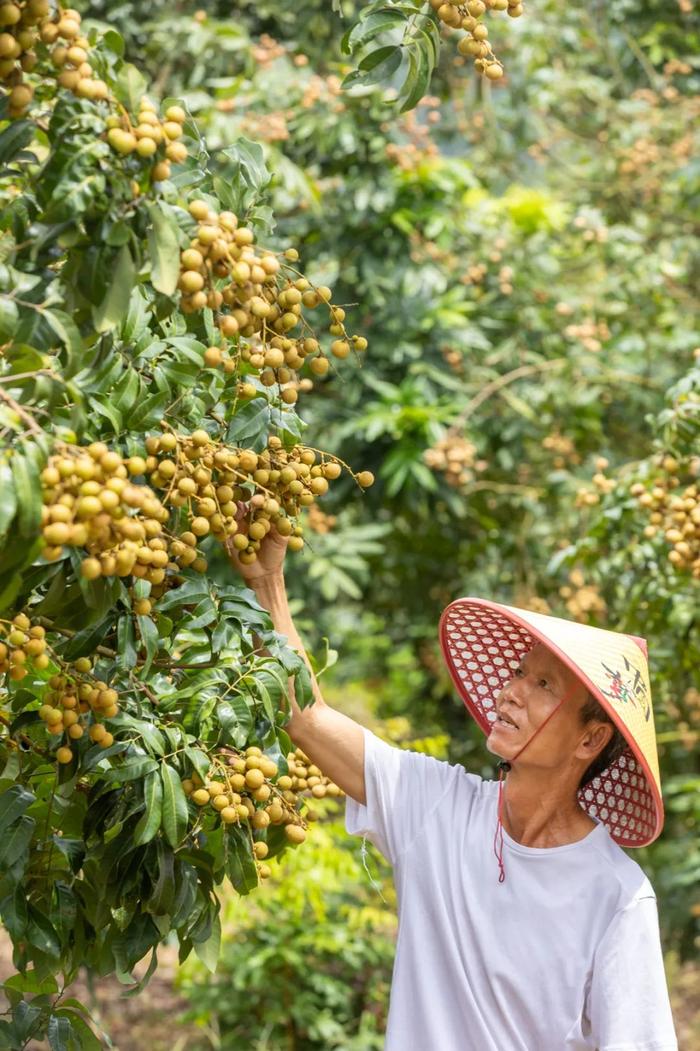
{"x": 539, "y": 812}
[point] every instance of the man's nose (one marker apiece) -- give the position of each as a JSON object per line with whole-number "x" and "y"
{"x": 510, "y": 693}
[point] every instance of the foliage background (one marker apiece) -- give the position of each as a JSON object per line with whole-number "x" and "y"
{"x": 525, "y": 262}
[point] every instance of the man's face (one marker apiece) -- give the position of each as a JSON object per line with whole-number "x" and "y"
{"x": 525, "y": 702}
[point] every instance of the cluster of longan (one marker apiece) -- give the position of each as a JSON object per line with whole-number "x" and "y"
{"x": 90, "y": 502}
{"x": 582, "y": 599}
{"x": 199, "y": 473}
{"x": 19, "y": 34}
{"x": 150, "y": 135}
{"x": 674, "y": 511}
{"x": 589, "y": 333}
{"x": 563, "y": 449}
{"x": 454, "y": 358}
{"x": 319, "y": 521}
{"x": 71, "y": 700}
{"x": 256, "y": 296}
{"x": 21, "y": 642}
{"x": 586, "y": 497}
{"x": 70, "y": 55}
{"x": 454, "y": 456}
{"x": 242, "y": 789}
{"x": 474, "y": 274}
{"x": 467, "y": 14}
{"x": 306, "y": 776}
{"x": 533, "y": 602}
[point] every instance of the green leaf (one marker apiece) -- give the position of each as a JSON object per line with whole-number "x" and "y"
{"x": 147, "y": 975}
{"x": 13, "y": 139}
{"x": 150, "y": 640}
{"x": 150, "y": 821}
{"x": 15, "y": 841}
{"x": 148, "y": 411}
{"x": 41, "y": 933}
{"x": 189, "y": 593}
{"x": 13, "y": 910}
{"x": 72, "y": 849}
{"x": 381, "y": 64}
{"x": 25, "y": 475}
{"x": 200, "y": 761}
{"x": 132, "y": 770}
{"x": 250, "y": 424}
{"x": 240, "y": 863}
{"x": 60, "y": 1033}
{"x": 130, "y": 86}
{"x": 29, "y": 982}
{"x": 161, "y": 900}
{"x": 175, "y": 814}
{"x": 208, "y": 951}
{"x": 370, "y": 27}
{"x": 86, "y": 1039}
{"x": 111, "y": 311}
{"x": 104, "y": 408}
{"x": 87, "y": 640}
{"x": 13, "y": 804}
{"x": 127, "y": 392}
{"x": 9, "y": 318}
{"x": 69, "y": 334}
{"x": 235, "y": 719}
{"x": 164, "y": 248}
{"x": 150, "y": 735}
{"x": 417, "y": 79}
{"x": 8, "y": 497}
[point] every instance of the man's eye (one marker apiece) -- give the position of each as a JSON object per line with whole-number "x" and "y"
{"x": 519, "y": 672}
{"x": 544, "y": 684}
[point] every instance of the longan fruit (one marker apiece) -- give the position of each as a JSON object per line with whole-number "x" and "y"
{"x": 176, "y": 152}
{"x": 90, "y": 569}
{"x": 212, "y": 357}
{"x": 254, "y": 778}
{"x": 200, "y": 796}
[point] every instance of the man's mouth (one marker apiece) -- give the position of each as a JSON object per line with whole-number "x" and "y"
{"x": 505, "y": 720}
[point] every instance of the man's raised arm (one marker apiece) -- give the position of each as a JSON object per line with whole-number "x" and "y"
{"x": 333, "y": 741}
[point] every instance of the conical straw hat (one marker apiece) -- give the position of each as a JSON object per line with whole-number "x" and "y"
{"x": 483, "y": 643}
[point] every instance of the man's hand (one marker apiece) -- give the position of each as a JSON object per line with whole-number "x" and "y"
{"x": 270, "y": 560}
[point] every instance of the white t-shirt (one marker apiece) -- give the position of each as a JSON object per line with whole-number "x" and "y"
{"x": 563, "y": 956}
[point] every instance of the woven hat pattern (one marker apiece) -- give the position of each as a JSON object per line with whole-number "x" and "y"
{"x": 483, "y": 643}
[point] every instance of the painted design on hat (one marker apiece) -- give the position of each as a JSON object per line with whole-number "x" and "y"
{"x": 629, "y": 688}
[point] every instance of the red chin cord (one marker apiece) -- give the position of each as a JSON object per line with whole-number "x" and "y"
{"x": 503, "y": 767}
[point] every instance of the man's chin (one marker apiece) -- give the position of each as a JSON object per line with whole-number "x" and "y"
{"x": 492, "y": 746}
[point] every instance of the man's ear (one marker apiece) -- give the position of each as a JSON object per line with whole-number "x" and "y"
{"x": 594, "y": 741}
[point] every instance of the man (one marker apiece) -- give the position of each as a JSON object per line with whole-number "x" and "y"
{"x": 522, "y": 924}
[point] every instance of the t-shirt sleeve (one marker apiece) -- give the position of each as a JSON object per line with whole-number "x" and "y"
{"x": 403, "y": 788}
{"x": 629, "y": 1007}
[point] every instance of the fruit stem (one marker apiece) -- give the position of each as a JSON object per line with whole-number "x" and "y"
{"x": 26, "y": 417}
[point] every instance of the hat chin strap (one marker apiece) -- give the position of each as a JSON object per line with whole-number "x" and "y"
{"x": 503, "y": 767}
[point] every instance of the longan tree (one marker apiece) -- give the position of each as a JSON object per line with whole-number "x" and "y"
{"x": 152, "y": 351}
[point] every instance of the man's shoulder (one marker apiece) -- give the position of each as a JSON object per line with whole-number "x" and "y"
{"x": 618, "y": 867}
